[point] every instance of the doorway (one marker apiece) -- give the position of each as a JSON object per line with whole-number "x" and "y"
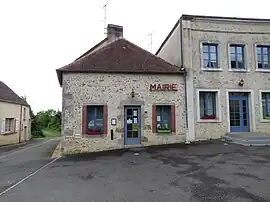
{"x": 239, "y": 112}
{"x": 132, "y": 123}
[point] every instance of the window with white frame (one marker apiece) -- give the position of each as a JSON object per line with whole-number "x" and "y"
{"x": 210, "y": 55}
{"x": 10, "y": 125}
{"x": 208, "y": 105}
{"x": 266, "y": 105}
{"x": 237, "y": 56}
{"x": 263, "y": 56}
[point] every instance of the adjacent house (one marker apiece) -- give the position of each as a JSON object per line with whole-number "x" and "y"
{"x": 15, "y": 123}
{"x": 228, "y": 73}
{"x": 118, "y": 95}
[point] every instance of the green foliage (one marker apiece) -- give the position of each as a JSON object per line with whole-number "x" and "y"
{"x": 35, "y": 127}
{"x": 49, "y": 120}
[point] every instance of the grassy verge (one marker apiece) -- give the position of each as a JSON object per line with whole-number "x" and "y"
{"x": 51, "y": 133}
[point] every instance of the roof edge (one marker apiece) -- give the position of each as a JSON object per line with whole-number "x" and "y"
{"x": 13, "y": 102}
{"x": 192, "y": 17}
{"x": 169, "y": 35}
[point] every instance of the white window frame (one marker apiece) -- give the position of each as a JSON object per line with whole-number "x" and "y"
{"x": 13, "y": 122}
{"x": 218, "y": 106}
{"x": 247, "y": 69}
{"x": 219, "y": 69}
{"x": 256, "y": 58}
{"x": 261, "y": 107}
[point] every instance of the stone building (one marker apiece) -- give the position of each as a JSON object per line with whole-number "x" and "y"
{"x": 228, "y": 73}
{"x": 118, "y": 95}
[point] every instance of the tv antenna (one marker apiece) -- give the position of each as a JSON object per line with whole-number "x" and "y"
{"x": 151, "y": 41}
{"x": 105, "y": 15}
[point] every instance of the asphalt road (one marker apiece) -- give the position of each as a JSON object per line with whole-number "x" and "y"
{"x": 205, "y": 172}
{"x": 17, "y": 162}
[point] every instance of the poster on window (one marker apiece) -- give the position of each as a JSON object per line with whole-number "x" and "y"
{"x": 129, "y": 121}
{"x": 158, "y": 118}
{"x": 135, "y": 120}
{"x": 135, "y": 113}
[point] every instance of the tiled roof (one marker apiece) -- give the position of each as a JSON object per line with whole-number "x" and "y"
{"x": 8, "y": 95}
{"x": 120, "y": 56}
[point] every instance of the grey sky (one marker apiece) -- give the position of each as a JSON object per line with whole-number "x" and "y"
{"x": 39, "y": 36}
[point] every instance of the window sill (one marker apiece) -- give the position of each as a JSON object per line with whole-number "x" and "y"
{"x": 262, "y": 70}
{"x": 93, "y": 136}
{"x": 209, "y": 121}
{"x": 8, "y": 133}
{"x": 265, "y": 120}
{"x": 239, "y": 70}
{"x": 212, "y": 69}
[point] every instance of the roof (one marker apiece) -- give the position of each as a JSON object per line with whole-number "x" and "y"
{"x": 192, "y": 17}
{"x": 119, "y": 56}
{"x": 8, "y": 95}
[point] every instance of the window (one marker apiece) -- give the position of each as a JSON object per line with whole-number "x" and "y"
{"x": 95, "y": 120}
{"x": 208, "y": 105}
{"x": 237, "y": 56}
{"x": 266, "y": 105}
{"x": 163, "y": 120}
{"x": 9, "y": 125}
{"x": 24, "y": 114}
{"x": 263, "y": 55}
{"x": 210, "y": 56}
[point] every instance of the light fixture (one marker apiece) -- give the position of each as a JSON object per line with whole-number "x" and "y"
{"x": 182, "y": 68}
{"x": 241, "y": 82}
{"x": 132, "y": 93}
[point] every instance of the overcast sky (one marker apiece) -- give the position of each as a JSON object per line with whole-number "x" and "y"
{"x": 39, "y": 36}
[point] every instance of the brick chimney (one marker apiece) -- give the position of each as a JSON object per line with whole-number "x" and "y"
{"x": 114, "y": 31}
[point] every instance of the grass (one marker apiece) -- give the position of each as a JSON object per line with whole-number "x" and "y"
{"x": 51, "y": 133}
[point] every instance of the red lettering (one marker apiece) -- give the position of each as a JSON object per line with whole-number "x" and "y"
{"x": 166, "y": 87}
{"x": 153, "y": 87}
{"x": 174, "y": 87}
{"x": 163, "y": 87}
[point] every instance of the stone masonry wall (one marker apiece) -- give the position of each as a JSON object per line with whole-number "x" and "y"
{"x": 225, "y": 33}
{"x": 114, "y": 90}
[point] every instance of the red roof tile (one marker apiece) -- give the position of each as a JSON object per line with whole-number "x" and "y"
{"x": 119, "y": 56}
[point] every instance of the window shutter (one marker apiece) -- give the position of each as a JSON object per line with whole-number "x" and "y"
{"x": 105, "y": 119}
{"x": 17, "y": 125}
{"x": 154, "y": 119}
{"x": 2, "y": 125}
{"x": 173, "y": 119}
{"x": 84, "y": 119}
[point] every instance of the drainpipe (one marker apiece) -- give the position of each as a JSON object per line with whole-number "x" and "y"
{"x": 20, "y": 131}
{"x": 185, "y": 74}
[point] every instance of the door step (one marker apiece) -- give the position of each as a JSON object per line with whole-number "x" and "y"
{"x": 248, "y": 139}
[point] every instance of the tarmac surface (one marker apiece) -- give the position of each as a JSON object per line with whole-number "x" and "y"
{"x": 209, "y": 171}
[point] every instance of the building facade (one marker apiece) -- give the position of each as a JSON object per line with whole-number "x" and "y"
{"x": 15, "y": 123}
{"x": 228, "y": 73}
{"x": 118, "y": 95}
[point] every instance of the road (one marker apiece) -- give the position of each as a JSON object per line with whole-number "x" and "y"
{"x": 17, "y": 163}
{"x": 204, "y": 172}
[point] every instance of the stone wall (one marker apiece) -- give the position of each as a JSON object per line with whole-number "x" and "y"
{"x": 114, "y": 90}
{"x": 224, "y": 33}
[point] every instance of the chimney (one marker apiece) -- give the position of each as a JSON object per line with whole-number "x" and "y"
{"x": 114, "y": 31}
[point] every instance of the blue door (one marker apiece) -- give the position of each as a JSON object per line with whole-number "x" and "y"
{"x": 132, "y": 125}
{"x": 239, "y": 113}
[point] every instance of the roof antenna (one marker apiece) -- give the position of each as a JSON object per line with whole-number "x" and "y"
{"x": 105, "y": 16}
{"x": 151, "y": 40}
